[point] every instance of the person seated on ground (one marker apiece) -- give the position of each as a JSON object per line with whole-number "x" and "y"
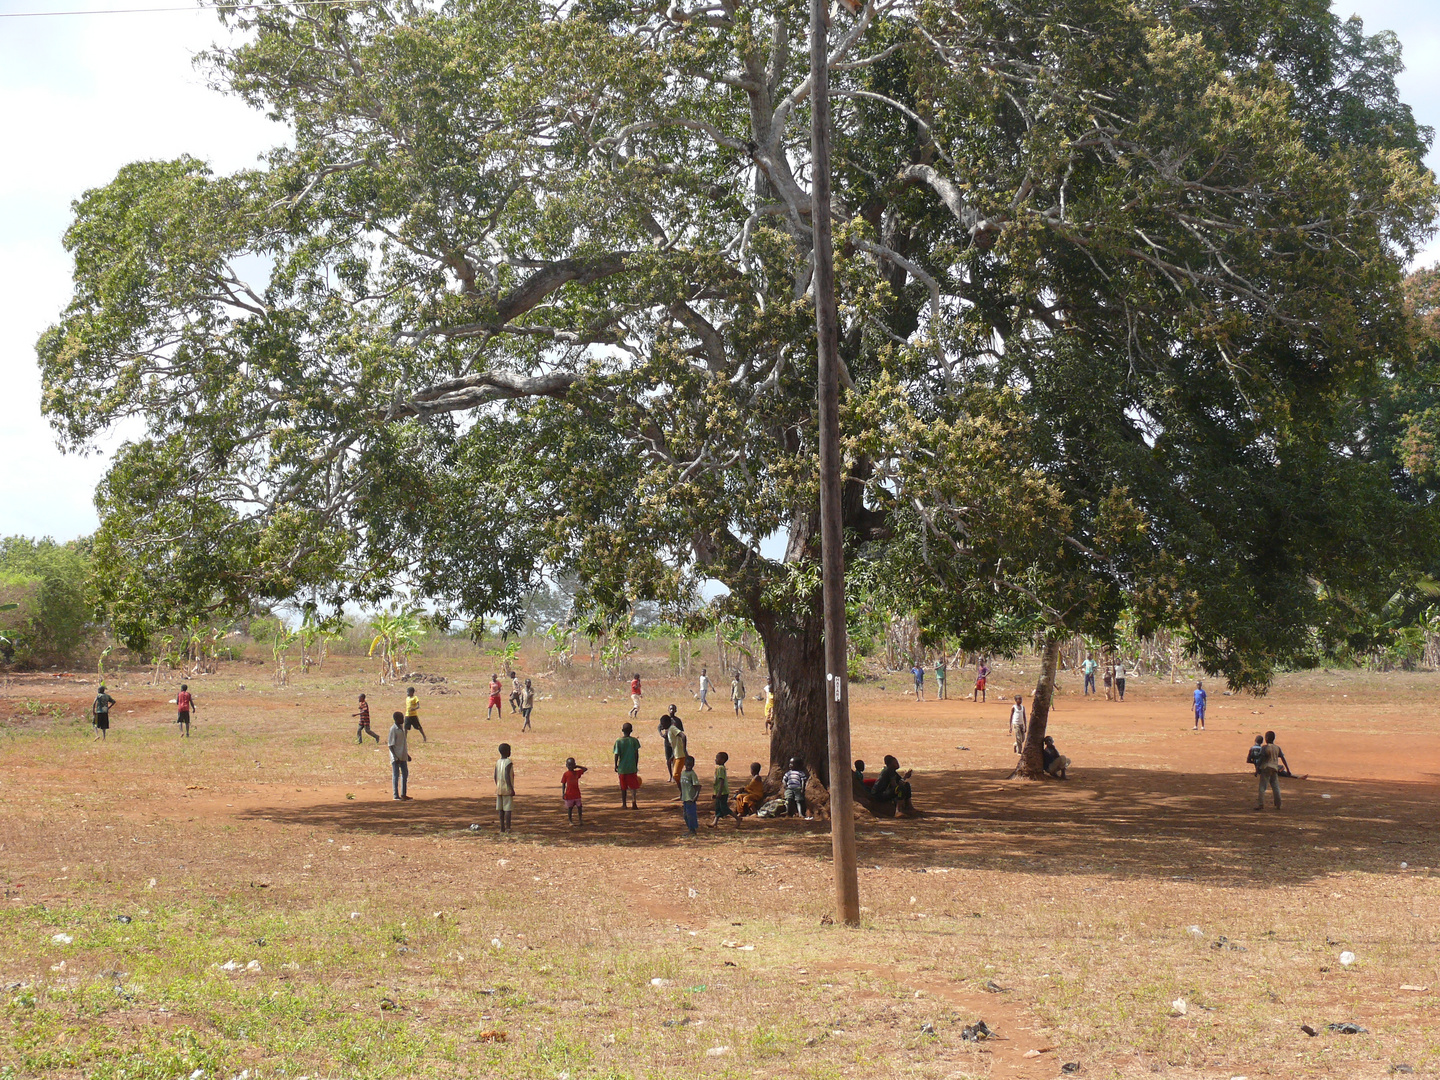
{"x": 753, "y": 797}
{"x": 861, "y": 778}
{"x": 1055, "y": 762}
{"x": 893, "y": 786}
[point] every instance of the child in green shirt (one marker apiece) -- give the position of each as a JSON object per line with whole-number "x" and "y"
{"x": 689, "y": 793}
{"x": 722, "y": 791}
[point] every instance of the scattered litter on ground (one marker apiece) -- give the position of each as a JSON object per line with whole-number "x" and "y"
{"x": 927, "y": 1028}
{"x": 1070, "y": 1068}
{"x": 1348, "y": 1027}
{"x": 992, "y": 987}
{"x": 387, "y": 1005}
{"x": 1413, "y": 988}
{"x": 62, "y": 939}
{"x": 1347, "y": 958}
{"x": 493, "y": 1036}
{"x": 1308, "y": 1030}
{"x": 1178, "y": 1007}
{"x": 717, "y": 1051}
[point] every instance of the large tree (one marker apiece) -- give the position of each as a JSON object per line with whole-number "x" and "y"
{"x": 528, "y": 285}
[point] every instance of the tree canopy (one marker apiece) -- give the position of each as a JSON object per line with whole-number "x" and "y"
{"x": 528, "y": 286}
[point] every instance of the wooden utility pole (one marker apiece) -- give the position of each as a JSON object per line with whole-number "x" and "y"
{"x": 827, "y": 334}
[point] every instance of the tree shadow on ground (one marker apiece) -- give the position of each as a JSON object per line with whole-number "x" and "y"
{"x": 1126, "y": 823}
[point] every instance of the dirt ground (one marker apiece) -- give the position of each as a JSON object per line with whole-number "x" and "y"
{"x": 1140, "y": 918}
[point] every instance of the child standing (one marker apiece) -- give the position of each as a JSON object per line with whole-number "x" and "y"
{"x": 514, "y": 693}
{"x": 627, "y": 765}
{"x": 679, "y": 744}
{"x": 1018, "y": 723}
{"x": 722, "y": 790}
{"x": 527, "y": 702}
{"x": 494, "y": 697}
{"x": 753, "y": 797}
{"x": 769, "y": 708}
{"x": 689, "y": 792}
{"x": 705, "y": 688}
{"x": 940, "y": 678}
{"x": 184, "y": 707}
{"x": 737, "y": 694}
{"x": 635, "y": 695}
{"x": 505, "y": 788}
{"x": 570, "y": 790}
{"x": 1199, "y": 706}
{"x": 399, "y": 758}
{"x": 100, "y": 713}
{"x": 364, "y": 717}
{"x": 982, "y": 673}
{"x": 794, "y": 783}
{"x": 412, "y": 713}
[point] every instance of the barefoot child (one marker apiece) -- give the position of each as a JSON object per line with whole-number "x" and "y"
{"x": 527, "y": 702}
{"x": 737, "y": 694}
{"x": 494, "y": 697}
{"x": 100, "y": 713}
{"x": 635, "y": 695}
{"x": 505, "y": 788}
{"x": 722, "y": 790}
{"x": 399, "y": 758}
{"x": 627, "y": 765}
{"x": 364, "y": 717}
{"x": 769, "y": 708}
{"x": 689, "y": 793}
{"x": 753, "y": 797}
{"x": 794, "y": 784}
{"x": 412, "y": 714}
{"x": 184, "y": 707}
{"x": 679, "y": 744}
{"x": 570, "y": 791}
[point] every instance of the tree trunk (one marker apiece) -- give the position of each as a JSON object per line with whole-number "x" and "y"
{"x": 1031, "y": 764}
{"x": 795, "y": 657}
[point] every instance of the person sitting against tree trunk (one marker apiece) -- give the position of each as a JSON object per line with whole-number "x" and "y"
{"x": 892, "y": 787}
{"x": 866, "y": 783}
{"x": 753, "y": 797}
{"x": 1055, "y": 763}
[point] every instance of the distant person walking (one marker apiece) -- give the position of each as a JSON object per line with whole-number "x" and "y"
{"x": 1087, "y": 668}
{"x": 412, "y": 712}
{"x": 737, "y": 694}
{"x": 626, "y": 752}
{"x": 636, "y": 693}
{"x": 1120, "y": 679}
{"x": 363, "y": 727}
{"x": 184, "y": 709}
{"x": 494, "y": 703}
{"x": 918, "y": 673}
{"x": 100, "y": 713}
{"x": 1018, "y": 723}
{"x": 399, "y": 757}
{"x": 705, "y": 687}
{"x": 982, "y": 672}
{"x": 940, "y": 678}
{"x": 1269, "y": 766}
{"x": 514, "y": 693}
{"x": 505, "y": 788}
{"x": 527, "y": 702}
{"x": 769, "y": 708}
{"x": 1199, "y": 706}
{"x": 1109, "y": 682}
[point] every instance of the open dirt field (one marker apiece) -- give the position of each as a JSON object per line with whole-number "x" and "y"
{"x": 253, "y": 903}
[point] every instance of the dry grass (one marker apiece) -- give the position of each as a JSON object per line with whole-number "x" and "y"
{"x": 1075, "y": 898}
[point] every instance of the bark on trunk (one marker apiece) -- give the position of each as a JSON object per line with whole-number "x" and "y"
{"x": 795, "y": 657}
{"x": 1032, "y": 764}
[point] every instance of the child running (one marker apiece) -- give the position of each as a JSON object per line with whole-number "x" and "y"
{"x": 412, "y": 713}
{"x": 689, "y": 792}
{"x": 494, "y": 705}
{"x": 100, "y": 713}
{"x": 794, "y": 783}
{"x": 570, "y": 791}
{"x": 627, "y": 765}
{"x": 722, "y": 791}
{"x": 505, "y": 788}
{"x": 184, "y": 708}
{"x": 364, "y": 727}
{"x": 635, "y": 695}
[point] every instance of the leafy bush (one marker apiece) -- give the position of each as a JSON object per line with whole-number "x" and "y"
{"x": 47, "y": 582}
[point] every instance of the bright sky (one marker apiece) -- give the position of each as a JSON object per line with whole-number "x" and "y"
{"x": 81, "y": 96}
